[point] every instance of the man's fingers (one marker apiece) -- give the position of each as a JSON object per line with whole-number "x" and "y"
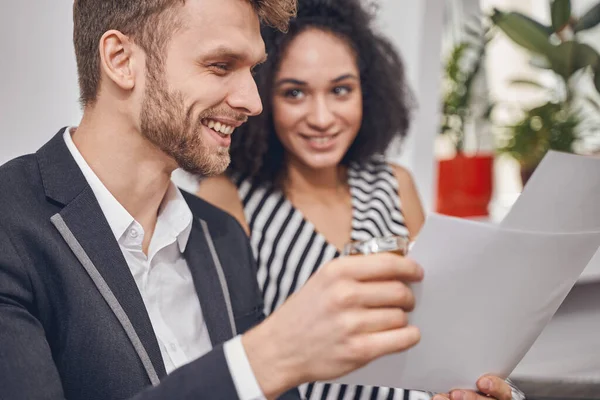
{"x": 441, "y": 396}
{"x": 377, "y": 320}
{"x": 374, "y": 345}
{"x": 380, "y": 267}
{"x": 385, "y": 294}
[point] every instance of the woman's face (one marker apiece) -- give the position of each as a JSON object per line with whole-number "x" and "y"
{"x": 317, "y": 99}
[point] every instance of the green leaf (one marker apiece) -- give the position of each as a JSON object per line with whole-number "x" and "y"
{"x": 585, "y": 55}
{"x": 550, "y": 126}
{"x": 589, "y": 20}
{"x": 562, "y": 59}
{"x": 546, "y": 29}
{"x": 569, "y": 57}
{"x": 524, "y": 31}
{"x": 561, "y": 14}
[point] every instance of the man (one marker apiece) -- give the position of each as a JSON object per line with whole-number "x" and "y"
{"x": 114, "y": 284}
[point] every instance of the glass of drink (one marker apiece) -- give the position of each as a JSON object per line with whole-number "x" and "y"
{"x": 391, "y": 244}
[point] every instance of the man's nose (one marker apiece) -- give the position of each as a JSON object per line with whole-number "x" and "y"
{"x": 245, "y": 97}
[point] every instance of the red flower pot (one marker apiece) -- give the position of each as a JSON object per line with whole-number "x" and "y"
{"x": 465, "y": 185}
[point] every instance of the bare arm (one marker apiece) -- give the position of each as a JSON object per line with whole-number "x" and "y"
{"x": 221, "y": 192}
{"x": 414, "y": 216}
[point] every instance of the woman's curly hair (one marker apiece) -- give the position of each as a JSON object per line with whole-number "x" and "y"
{"x": 257, "y": 153}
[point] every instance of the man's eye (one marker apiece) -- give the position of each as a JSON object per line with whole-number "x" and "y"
{"x": 220, "y": 67}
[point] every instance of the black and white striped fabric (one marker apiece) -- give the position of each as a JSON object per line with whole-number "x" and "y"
{"x": 289, "y": 249}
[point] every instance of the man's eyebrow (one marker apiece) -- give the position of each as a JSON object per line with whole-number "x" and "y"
{"x": 226, "y": 52}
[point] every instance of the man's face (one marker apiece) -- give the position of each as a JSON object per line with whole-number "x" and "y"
{"x": 205, "y": 89}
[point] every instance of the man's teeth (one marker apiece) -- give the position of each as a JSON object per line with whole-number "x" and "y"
{"x": 218, "y": 126}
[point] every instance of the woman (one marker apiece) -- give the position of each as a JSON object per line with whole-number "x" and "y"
{"x": 308, "y": 175}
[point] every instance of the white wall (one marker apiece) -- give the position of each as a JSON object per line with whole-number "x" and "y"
{"x": 416, "y": 29}
{"x": 38, "y": 93}
{"x": 38, "y": 83}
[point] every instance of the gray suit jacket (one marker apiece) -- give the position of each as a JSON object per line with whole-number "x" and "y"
{"x": 72, "y": 321}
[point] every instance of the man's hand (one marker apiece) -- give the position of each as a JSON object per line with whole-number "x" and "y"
{"x": 489, "y": 386}
{"x": 352, "y": 311}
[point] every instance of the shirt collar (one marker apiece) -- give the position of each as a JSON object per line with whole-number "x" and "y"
{"x": 174, "y": 211}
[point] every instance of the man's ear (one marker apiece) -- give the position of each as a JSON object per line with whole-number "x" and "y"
{"x": 116, "y": 61}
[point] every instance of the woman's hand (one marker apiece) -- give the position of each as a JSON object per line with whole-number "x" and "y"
{"x": 489, "y": 387}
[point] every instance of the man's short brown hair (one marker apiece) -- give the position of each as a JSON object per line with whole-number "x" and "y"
{"x": 150, "y": 23}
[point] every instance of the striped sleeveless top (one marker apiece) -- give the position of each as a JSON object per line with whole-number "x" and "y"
{"x": 289, "y": 249}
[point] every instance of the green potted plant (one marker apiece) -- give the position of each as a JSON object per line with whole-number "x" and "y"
{"x": 547, "y": 127}
{"x": 465, "y": 179}
{"x": 558, "y": 123}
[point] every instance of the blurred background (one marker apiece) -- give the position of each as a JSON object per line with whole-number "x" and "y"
{"x": 487, "y": 100}
{"x": 498, "y": 83}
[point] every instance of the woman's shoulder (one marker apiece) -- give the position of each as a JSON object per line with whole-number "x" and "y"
{"x": 414, "y": 214}
{"x": 402, "y": 174}
{"x": 222, "y": 192}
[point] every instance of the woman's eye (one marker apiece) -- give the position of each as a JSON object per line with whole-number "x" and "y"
{"x": 342, "y": 90}
{"x": 294, "y": 94}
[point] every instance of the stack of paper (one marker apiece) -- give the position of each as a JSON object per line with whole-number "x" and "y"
{"x": 489, "y": 290}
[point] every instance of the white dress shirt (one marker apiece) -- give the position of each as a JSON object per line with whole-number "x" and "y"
{"x": 165, "y": 281}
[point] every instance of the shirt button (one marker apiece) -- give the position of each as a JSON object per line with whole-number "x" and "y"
{"x": 173, "y": 347}
{"x": 133, "y": 233}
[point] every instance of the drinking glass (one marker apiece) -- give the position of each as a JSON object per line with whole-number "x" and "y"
{"x": 392, "y": 244}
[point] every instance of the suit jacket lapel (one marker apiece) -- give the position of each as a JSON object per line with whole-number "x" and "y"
{"x": 216, "y": 308}
{"x": 94, "y": 244}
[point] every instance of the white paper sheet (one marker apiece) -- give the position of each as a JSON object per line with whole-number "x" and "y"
{"x": 591, "y": 273}
{"x": 488, "y": 293}
{"x": 490, "y": 290}
{"x": 563, "y": 195}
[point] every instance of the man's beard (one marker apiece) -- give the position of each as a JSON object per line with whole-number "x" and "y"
{"x": 171, "y": 127}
